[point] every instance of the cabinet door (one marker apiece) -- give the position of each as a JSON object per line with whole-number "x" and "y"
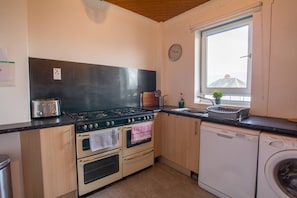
{"x": 187, "y": 142}
{"x": 157, "y": 134}
{"x": 181, "y": 133}
{"x": 168, "y": 136}
{"x": 192, "y": 145}
{"x": 58, "y": 161}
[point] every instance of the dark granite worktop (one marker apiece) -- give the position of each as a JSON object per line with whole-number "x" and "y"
{"x": 273, "y": 125}
{"x": 36, "y": 124}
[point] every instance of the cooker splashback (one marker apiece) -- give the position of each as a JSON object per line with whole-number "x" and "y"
{"x": 88, "y": 87}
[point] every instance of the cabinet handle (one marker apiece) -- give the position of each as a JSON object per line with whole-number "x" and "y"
{"x": 69, "y": 137}
{"x": 85, "y": 135}
{"x": 196, "y": 124}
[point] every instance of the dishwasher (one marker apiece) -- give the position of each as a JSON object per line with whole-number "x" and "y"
{"x": 228, "y": 160}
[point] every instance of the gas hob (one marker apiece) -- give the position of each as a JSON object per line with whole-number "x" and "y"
{"x": 101, "y": 119}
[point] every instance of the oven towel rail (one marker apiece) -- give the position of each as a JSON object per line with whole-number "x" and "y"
{"x": 141, "y": 132}
{"x": 103, "y": 140}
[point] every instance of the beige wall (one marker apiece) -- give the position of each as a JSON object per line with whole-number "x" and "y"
{"x": 180, "y": 75}
{"x": 274, "y": 68}
{"x": 14, "y": 101}
{"x": 283, "y": 65}
{"x": 92, "y": 31}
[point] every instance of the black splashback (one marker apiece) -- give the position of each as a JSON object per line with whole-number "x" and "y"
{"x": 88, "y": 87}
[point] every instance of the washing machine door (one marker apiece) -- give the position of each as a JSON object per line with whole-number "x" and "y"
{"x": 281, "y": 173}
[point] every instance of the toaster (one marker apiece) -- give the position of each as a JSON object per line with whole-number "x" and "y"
{"x": 46, "y": 108}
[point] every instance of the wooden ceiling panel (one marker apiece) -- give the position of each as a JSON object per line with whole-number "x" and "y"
{"x": 158, "y": 10}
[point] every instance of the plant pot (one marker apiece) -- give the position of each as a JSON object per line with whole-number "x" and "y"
{"x": 218, "y": 100}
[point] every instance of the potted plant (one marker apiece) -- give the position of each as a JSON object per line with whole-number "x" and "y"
{"x": 217, "y": 94}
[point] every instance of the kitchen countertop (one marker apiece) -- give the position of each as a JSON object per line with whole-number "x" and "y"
{"x": 273, "y": 125}
{"x": 269, "y": 124}
{"x": 36, "y": 124}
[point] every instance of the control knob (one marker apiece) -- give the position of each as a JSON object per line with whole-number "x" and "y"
{"x": 85, "y": 127}
{"x": 112, "y": 123}
{"x": 90, "y": 126}
{"x": 107, "y": 123}
{"x": 96, "y": 125}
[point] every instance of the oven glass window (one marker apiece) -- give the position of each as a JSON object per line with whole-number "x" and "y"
{"x": 86, "y": 144}
{"x": 286, "y": 176}
{"x": 101, "y": 168}
{"x": 129, "y": 140}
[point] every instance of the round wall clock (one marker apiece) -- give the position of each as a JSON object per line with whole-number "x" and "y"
{"x": 175, "y": 52}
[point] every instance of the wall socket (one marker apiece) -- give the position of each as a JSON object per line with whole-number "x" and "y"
{"x": 57, "y": 73}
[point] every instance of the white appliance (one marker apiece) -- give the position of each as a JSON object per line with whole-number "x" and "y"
{"x": 228, "y": 160}
{"x": 277, "y": 168}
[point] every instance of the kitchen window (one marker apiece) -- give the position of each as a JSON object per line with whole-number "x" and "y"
{"x": 224, "y": 61}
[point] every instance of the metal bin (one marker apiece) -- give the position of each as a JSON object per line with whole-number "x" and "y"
{"x": 5, "y": 177}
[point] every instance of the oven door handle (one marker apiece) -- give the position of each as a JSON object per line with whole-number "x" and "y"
{"x": 107, "y": 154}
{"x": 141, "y": 155}
{"x": 87, "y": 135}
{"x": 83, "y": 135}
{"x": 127, "y": 128}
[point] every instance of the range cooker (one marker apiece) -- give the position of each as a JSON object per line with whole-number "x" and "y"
{"x": 105, "y": 148}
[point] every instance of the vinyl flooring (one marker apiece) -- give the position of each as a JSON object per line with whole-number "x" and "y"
{"x": 159, "y": 181}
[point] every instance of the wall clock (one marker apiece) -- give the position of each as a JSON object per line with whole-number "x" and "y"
{"x": 175, "y": 52}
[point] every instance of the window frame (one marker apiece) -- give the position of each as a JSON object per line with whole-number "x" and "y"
{"x": 201, "y": 44}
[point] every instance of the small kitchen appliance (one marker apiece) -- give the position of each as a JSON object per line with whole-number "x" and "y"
{"x": 45, "y": 108}
{"x": 103, "y": 165}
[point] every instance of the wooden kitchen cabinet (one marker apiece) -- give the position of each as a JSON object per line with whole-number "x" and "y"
{"x": 180, "y": 140}
{"x": 192, "y": 131}
{"x": 49, "y": 164}
{"x": 168, "y": 136}
{"x": 157, "y": 134}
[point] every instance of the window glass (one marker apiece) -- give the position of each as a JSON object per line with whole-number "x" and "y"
{"x": 226, "y": 60}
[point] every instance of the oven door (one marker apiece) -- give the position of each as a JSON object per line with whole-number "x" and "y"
{"x": 99, "y": 170}
{"x": 83, "y": 147}
{"x": 137, "y": 138}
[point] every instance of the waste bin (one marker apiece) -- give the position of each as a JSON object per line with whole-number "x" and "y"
{"x": 5, "y": 178}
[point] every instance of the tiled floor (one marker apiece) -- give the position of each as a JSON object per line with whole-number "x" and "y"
{"x": 159, "y": 181}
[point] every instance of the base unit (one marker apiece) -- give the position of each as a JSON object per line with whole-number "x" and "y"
{"x": 49, "y": 166}
{"x": 137, "y": 162}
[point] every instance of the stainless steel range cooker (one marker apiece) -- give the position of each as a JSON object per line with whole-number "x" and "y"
{"x": 111, "y": 144}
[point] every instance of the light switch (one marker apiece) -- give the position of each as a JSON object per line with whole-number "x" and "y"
{"x": 57, "y": 74}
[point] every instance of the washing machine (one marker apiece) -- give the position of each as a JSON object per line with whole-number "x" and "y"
{"x": 277, "y": 166}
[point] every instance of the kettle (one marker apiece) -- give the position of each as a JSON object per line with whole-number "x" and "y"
{"x": 162, "y": 101}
